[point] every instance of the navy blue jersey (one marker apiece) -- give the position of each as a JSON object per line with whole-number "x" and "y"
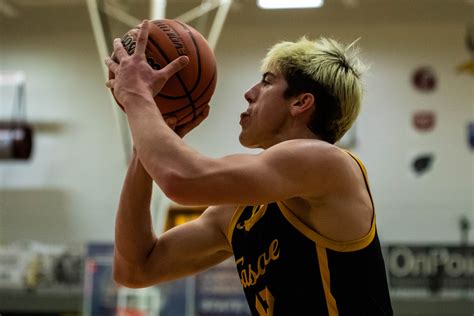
{"x": 286, "y": 268}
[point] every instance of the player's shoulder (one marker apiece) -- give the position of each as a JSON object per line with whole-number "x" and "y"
{"x": 218, "y": 210}
{"x": 311, "y": 160}
{"x": 219, "y": 217}
{"x": 311, "y": 150}
{"x": 219, "y": 214}
{"x": 307, "y": 144}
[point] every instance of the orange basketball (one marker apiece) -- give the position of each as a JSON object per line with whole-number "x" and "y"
{"x": 189, "y": 90}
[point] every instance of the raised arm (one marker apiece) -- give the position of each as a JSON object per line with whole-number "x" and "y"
{"x": 188, "y": 177}
{"x": 141, "y": 258}
{"x": 288, "y": 169}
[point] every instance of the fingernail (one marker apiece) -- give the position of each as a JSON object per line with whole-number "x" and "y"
{"x": 184, "y": 59}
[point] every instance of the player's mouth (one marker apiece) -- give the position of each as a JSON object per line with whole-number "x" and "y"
{"x": 244, "y": 117}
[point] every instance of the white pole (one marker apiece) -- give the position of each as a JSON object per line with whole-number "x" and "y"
{"x": 8, "y": 10}
{"x": 198, "y": 11}
{"x": 157, "y": 9}
{"x": 218, "y": 23}
{"x": 120, "y": 15}
{"x": 100, "y": 40}
{"x": 159, "y": 202}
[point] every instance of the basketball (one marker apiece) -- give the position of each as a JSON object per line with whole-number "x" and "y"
{"x": 186, "y": 93}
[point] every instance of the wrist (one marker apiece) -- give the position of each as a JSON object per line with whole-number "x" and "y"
{"x": 136, "y": 100}
{"x": 137, "y": 165}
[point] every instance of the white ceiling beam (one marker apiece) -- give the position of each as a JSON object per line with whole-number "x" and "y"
{"x": 101, "y": 43}
{"x": 120, "y": 15}
{"x": 157, "y": 9}
{"x": 203, "y": 8}
{"x": 7, "y": 9}
{"x": 218, "y": 23}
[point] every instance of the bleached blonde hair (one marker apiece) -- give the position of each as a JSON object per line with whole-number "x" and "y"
{"x": 323, "y": 66}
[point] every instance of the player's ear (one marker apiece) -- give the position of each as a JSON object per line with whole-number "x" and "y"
{"x": 302, "y": 103}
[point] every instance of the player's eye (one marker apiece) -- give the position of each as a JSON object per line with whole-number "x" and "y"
{"x": 265, "y": 81}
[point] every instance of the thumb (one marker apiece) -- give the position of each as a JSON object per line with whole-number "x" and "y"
{"x": 175, "y": 66}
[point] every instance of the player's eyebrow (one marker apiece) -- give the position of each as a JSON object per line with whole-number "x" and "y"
{"x": 268, "y": 73}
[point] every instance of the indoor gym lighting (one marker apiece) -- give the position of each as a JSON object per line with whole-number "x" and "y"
{"x": 289, "y": 4}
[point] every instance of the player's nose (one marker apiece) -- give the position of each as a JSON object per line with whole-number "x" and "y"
{"x": 251, "y": 94}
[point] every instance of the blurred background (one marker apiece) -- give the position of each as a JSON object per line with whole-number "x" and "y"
{"x": 64, "y": 146}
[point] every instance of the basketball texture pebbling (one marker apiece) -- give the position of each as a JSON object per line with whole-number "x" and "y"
{"x": 186, "y": 94}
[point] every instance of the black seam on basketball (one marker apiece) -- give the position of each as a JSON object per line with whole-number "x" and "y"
{"x": 187, "y": 115}
{"x": 198, "y": 97}
{"x": 188, "y": 95}
{"x": 198, "y": 54}
{"x": 199, "y": 64}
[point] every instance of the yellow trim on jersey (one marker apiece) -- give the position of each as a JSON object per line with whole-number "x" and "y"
{"x": 341, "y": 246}
{"x": 364, "y": 171}
{"x": 233, "y": 222}
{"x": 326, "y": 280}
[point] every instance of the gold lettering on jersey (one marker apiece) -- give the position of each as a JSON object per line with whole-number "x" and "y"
{"x": 249, "y": 275}
{"x": 264, "y": 302}
{"x": 257, "y": 213}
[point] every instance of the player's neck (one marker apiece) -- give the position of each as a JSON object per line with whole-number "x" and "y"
{"x": 300, "y": 133}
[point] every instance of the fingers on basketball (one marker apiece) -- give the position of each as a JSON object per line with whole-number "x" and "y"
{"x": 119, "y": 50}
{"x": 185, "y": 86}
{"x": 111, "y": 64}
{"x": 142, "y": 38}
{"x": 175, "y": 66}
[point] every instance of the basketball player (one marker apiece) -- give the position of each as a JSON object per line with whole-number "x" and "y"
{"x": 298, "y": 217}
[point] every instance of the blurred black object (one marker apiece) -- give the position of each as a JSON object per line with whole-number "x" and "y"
{"x": 16, "y": 140}
{"x": 464, "y": 227}
{"x": 422, "y": 163}
{"x": 69, "y": 269}
{"x": 470, "y": 37}
{"x": 435, "y": 281}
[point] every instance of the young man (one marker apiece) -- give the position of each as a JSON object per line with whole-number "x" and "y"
{"x": 298, "y": 217}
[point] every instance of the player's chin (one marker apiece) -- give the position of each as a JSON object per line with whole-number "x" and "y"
{"x": 246, "y": 141}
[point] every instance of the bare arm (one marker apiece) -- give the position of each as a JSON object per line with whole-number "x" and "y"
{"x": 292, "y": 168}
{"x": 141, "y": 259}
{"x": 190, "y": 248}
{"x": 179, "y": 252}
{"x": 134, "y": 235}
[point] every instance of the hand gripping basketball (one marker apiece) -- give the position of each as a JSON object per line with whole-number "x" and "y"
{"x": 187, "y": 90}
{"x": 132, "y": 74}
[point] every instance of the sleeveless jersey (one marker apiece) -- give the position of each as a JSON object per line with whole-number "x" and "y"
{"x": 288, "y": 269}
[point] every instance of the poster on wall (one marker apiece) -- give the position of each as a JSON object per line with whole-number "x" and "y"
{"x": 424, "y": 120}
{"x": 432, "y": 267}
{"x": 214, "y": 292}
{"x": 424, "y": 79}
{"x": 467, "y": 67}
{"x": 100, "y": 291}
{"x": 422, "y": 163}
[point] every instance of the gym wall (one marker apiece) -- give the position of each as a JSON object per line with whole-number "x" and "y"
{"x": 68, "y": 192}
